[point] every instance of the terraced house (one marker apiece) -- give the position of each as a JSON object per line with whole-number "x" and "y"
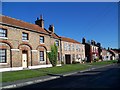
{"x": 91, "y": 50}
{"x": 72, "y": 50}
{"x": 25, "y": 45}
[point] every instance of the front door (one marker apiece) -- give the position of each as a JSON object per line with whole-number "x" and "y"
{"x": 68, "y": 59}
{"x": 24, "y": 60}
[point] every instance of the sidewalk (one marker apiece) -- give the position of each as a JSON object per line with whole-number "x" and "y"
{"x": 25, "y": 82}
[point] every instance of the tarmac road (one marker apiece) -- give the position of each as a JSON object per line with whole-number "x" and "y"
{"x": 107, "y": 77}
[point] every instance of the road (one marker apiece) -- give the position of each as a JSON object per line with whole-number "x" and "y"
{"x": 107, "y": 77}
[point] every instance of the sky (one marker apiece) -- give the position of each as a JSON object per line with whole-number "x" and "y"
{"x": 93, "y": 20}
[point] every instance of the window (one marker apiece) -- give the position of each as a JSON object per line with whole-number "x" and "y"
{"x": 41, "y": 39}
{"x": 41, "y": 55}
{"x": 73, "y": 57}
{"x": 69, "y": 47}
{"x": 72, "y": 47}
{"x": 24, "y": 36}
{"x": 106, "y": 56}
{"x": 65, "y": 46}
{"x": 77, "y": 47}
{"x": 57, "y": 43}
{"x": 2, "y": 55}
{"x": 76, "y": 56}
{"x": 82, "y": 50}
{"x": 3, "y": 33}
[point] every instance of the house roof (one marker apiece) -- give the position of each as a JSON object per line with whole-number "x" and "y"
{"x": 53, "y": 34}
{"x": 69, "y": 40}
{"x": 15, "y": 22}
{"x": 115, "y": 52}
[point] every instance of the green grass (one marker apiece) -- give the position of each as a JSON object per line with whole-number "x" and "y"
{"x": 25, "y": 74}
{"x": 104, "y": 62}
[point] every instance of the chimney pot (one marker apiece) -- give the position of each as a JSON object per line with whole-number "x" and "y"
{"x": 51, "y": 28}
{"x": 40, "y": 22}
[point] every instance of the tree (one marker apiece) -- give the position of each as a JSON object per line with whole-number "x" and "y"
{"x": 53, "y": 55}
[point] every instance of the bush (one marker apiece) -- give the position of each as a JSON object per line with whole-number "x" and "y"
{"x": 75, "y": 62}
{"x": 53, "y": 55}
{"x": 96, "y": 59}
{"x": 62, "y": 62}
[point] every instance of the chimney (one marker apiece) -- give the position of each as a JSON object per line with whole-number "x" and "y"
{"x": 98, "y": 44}
{"x": 83, "y": 40}
{"x": 51, "y": 28}
{"x": 92, "y": 42}
{"x": 40, "y": 22}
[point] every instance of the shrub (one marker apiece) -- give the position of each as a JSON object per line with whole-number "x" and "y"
{"x": 75, "y": 62}
{"x": 53, "y": 55}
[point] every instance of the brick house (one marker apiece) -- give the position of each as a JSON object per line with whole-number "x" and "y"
{"x": 25, "y": 45}
{"x": 91, "y": 50}
{"x": 72, "y": 50}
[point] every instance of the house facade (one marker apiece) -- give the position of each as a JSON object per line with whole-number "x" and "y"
{"x": 72, "y": 50}
{"x": 114, "y": 54}
{"x": 106, "y": 55}
{"x": 25, "y": 45}
{"x": 91, "y": 50}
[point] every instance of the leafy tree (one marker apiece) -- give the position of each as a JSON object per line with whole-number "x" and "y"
{"x": 53, "y": 55}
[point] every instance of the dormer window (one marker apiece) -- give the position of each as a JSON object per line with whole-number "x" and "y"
{"x": 3, "y": 32}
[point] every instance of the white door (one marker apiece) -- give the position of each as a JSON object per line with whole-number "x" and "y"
{"x": 24, "y": 60}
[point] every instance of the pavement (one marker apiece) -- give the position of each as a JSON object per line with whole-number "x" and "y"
{"x": 20, "y": 83}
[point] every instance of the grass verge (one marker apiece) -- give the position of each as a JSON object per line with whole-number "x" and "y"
{"x": 25, "y": 74}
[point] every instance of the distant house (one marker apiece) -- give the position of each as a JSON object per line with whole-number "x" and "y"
{"x": 106, "y": 55}
{"x": 115, "y": 54}
{"x": 72, "y": 50}
{"x": 91, "y": 50}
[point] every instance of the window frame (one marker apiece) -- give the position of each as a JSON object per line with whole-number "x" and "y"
{"x": 65, "y": 46}
{"x": 5, "y": 61}
{"x": 2, "y": 33}
{"x": 43, "y": 40}
{"x": 41, "y": 56}
{"x": 23, "y": 33}
{"x": 57, "y": 42}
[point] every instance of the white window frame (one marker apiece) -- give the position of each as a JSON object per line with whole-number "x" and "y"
{"x": 43, "y": 39}
{"x": 4, "y": 55}
{"x": 25, "y": 38}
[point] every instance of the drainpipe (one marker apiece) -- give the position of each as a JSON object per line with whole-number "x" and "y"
{"x": 46, "y": 58}
{"x": 10, "y": 58}
{"x": 60, "y": 51}
{"x": 31, "y": 57}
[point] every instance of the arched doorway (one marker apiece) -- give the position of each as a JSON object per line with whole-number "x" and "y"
{"x": 25, "y": 55}
{"x": 24, "y": 59}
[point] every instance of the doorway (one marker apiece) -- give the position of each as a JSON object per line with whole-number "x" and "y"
{"x": 24, "y": 59}
{"x": 68, "y": 59}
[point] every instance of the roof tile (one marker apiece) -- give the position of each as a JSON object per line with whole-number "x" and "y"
{"x": 69, "y": 40}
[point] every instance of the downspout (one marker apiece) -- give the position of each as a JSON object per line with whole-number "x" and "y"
{"x": 46, "y": 58}
{"x": 60, "y": 51}
{"x": 31, "y": 57}
{"x": 10, "y": 57}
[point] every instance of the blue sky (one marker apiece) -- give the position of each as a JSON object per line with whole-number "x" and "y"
{"x": 97, "y": 21}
